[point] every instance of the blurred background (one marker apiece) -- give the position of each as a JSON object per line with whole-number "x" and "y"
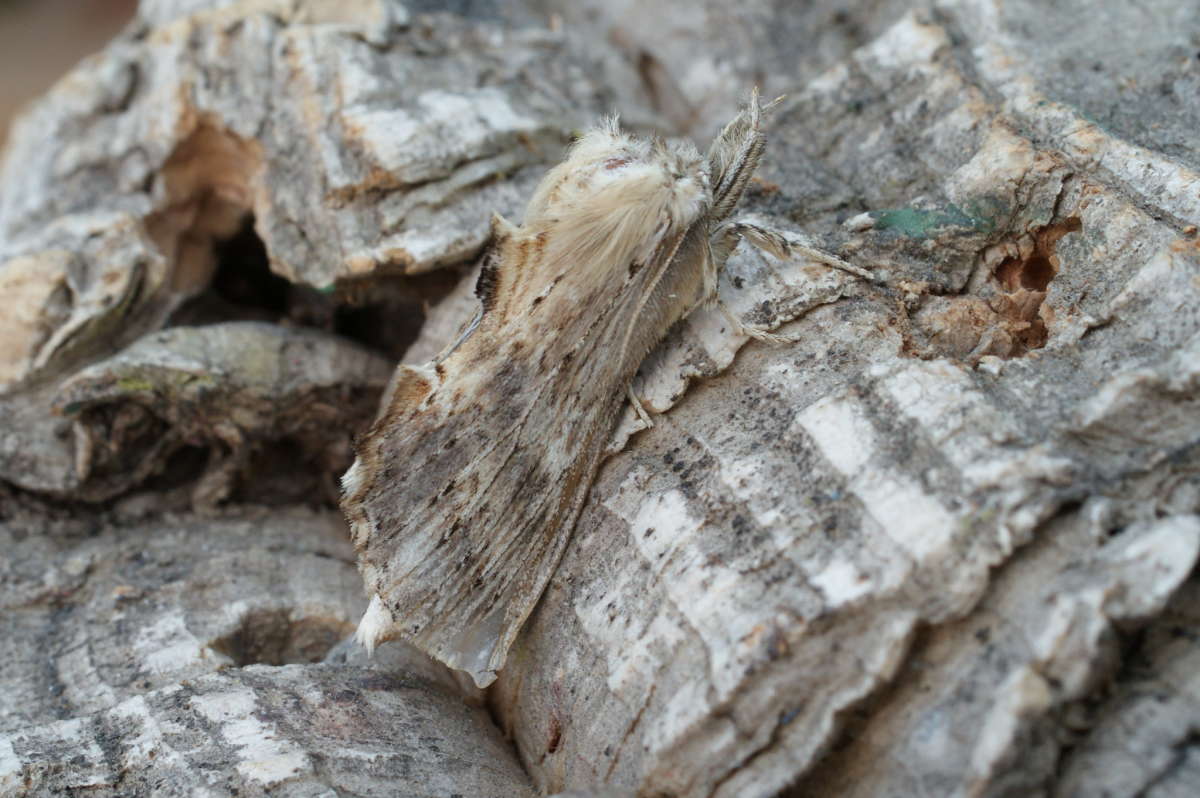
{"x": 40, "y": 40}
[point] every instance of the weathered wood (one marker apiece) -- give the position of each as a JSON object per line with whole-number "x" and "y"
{"x": 921, "y": 536}
{"x": 260, "y": 730}
{"x": 942, "y": 544}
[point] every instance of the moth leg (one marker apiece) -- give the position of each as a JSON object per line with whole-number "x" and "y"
{"x": 723, "y": 242}
{"x": 637, "y": 406}
{"x": 753, "y": 331}
{"x": 776, "y": 244}
{"x": 727, "y": 236}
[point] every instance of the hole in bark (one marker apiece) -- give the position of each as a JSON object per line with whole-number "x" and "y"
{"x": 208, "y": 185}
{"x": 1033, "y": 273}
{"x": 243, "y": 276}
{"x": 274, "y": 637}
{"x": 1010, "y": 322}
{"x": 218, "y": 269}
{"x": 219, "y": 263}
{"x": 292, "y": 471}
{"x": 388, "y": 325}
{"x": 183, "y": 467}
{"x": 383, "y": 312}
{"x": 1023, "y": 283}
{"x": 243, "y": 287}
{"x": 122, "y": 433}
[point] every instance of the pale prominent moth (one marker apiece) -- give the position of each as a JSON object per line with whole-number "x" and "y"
{"x": 466, "y": 489}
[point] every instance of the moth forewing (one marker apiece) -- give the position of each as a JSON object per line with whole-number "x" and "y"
{"x": 465, "y": 490}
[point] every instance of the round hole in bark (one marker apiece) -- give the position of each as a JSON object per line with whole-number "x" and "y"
{"x": 1032, "y": 274}
{"x": 243, "y": 276}
{"x": 1035, "y": 272}
{"x": 125, "y": 431}
{"x": 383, "y": 312}
{"x": 242, "y": 287}
{"x": 208, "y": 185}
{"x": 275, "y": 636}
{"x": 185, "y": 465}
{"x": 1008, "y": 319}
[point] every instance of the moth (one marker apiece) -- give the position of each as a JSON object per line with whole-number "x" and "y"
{"x": 466, "y": 488}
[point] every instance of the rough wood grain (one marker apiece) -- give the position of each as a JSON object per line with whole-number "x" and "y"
{"x": 260, "y": 730}
{"x": 920, "y": 537}
{"x": 943, "y": 545}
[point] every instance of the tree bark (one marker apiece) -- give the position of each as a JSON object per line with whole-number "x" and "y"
{"x": 941, "y": 544}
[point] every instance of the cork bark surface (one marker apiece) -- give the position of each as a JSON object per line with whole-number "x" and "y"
{"x": 941, "y": 544}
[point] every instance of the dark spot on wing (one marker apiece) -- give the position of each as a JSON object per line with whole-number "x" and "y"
{"x": 485, "y": 286}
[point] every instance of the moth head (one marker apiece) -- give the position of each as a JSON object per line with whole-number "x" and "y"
{"x": 616, "y": 196}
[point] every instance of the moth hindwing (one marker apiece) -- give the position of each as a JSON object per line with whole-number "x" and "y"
{"x": 466, "y": 488}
